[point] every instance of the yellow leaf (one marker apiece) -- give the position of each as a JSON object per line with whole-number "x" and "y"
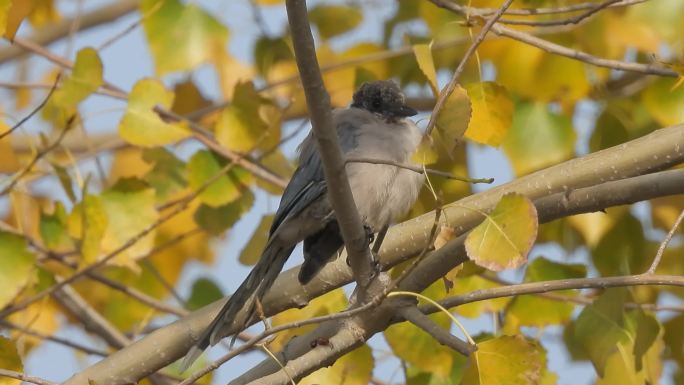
{"x": 665, "y": 210}
{"x": 538, "y": 138}
{"x": 593, "y": 226}
{"x": 128, "y": 163}
{"x": 549, "y": 86}
{"x": 182, "y": 36}
{"x": 88, "y": 222}
{"x": 85, "y": 78}
{"x": 231, "y": 71}
{"x": 425, "y": 153}
{"x": 188, "y": 98}
{"x": 249, "y": 122}
{"x": 472, "y": 283}
{"x": 507, "y": 234}
{"x": 44, "y": 12}
{"x": 423, "y": 53}
{"x": 251, "y": 253}
{"x": 140, "y": 125}
{"x": 41, "y": 317}
{"x": 354, "y": 368}
{"x": 454, "y": 118}
{"x": 492, "y": 113}
{"x": 9, "y": 359}
{"x": 12, "y": 13}
{"x": 8, "y": 160}
{"x": 510, "y": 360}
{"x": 16, "y": 266}
{"x": 332, "y": 20}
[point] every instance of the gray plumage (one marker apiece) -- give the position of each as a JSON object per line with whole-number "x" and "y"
{"x": 374, "y": 126}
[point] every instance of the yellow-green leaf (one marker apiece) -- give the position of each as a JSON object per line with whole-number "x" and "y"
{"x": 426, "y": 153}
{"x": 85, "y": 78}
{"x": 423, "y": 54}
{"x": 507, "y": 234}
{"x": 9, "y": 359}
{"x": 492, "y": 113}
{"x": 181, "y": 36}
{"x": 473, "y": 283}
{"x": 16, "y": 266}
{"x": 538, "y": 138}
{"x": 53, "y": 230}
{"x": 510, "y": 360}
{"x": 140, "y": 125}
{"x": 453, "y": 119}
{"x": 249, "y": 122}
{"x": 205, "y": 167}
{"x": 88, "y": 222}
{"x": 332, "y": 20}
{"x": 204, "y": 291}
{"x": 130, "y": 209}
{"x": 354, "y": 368}
{"x": 255, "y": 246}
{"x": 664, "y": 103}
{"x": 216, "y": 220}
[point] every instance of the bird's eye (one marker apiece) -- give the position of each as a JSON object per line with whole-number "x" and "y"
{"x": 376, "y": 103}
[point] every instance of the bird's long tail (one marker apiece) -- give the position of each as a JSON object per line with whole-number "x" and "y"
{"x": 257, "y": 283}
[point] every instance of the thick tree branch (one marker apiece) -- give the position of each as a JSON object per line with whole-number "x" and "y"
{"x": 318, "y": 101}
{"x": 656, "y": 151}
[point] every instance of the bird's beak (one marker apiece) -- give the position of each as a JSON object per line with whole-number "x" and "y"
{"x": 404, "y": 111}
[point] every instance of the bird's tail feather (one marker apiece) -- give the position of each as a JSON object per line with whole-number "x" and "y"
{"x": 254, "y": 287}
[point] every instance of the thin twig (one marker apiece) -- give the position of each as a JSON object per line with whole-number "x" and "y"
{"x": 420, "y": 170}
{"x": 416, "y": 317}
{"x": 449, "y": 89}
{"x": 35, "y": 110}
{"x": 58, "y": 340}
{"x": 24, "y": 377}
{"x": 570, "y": 20}
{"x": 664, "y": 243}
{"x": 131, "y": 27}
{"x": 548, "y": 11}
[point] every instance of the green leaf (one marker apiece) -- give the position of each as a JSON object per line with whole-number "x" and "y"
{"x": 492, "y": 113}
{"x": 354, "y": 368}
{"x": 507, "y": 234}
{"x": 423, "y": 53}
{"x": 181, "y": 36}
{"x": 269, "y": 51}
{"x": 205, "y": 166}
{"x": 332, "y": 20}
{"x": 647, "y": 331}
{"x": 249, "y": 122}
{"x": 538, "y": 138}
{"x": 255, "y": 246}
{"x": 53, "y": 228}
{"x": 601, "y": 327}
{"x": 16, "y": 266}
{"x": 9, "y": 359}
{"x": 204, "y": 291}
{"x": 168, "y": 173}
{"x": 85, "y": 78}
{"x": 216, "y": 220}
{"x": 87, "y": 223}
{"x": 140, "y": 125}
{"x": 511, "y": 360}
{"x": 622, "y": 250}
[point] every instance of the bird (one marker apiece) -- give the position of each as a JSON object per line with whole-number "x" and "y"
{"x": 375, "y": 126}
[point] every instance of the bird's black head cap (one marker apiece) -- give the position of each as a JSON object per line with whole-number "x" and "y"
{"x": 382, "y": 97}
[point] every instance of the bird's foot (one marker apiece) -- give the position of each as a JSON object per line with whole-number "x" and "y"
{"x": 369, "y": 233}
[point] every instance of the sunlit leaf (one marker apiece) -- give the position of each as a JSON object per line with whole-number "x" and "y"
{"x": 423, "y": 54}
{"x": 87, "y": 223}
{"x": 505, "y": 360}
{"x": 354, "y": 368}
{"x": 168, "y": 174}
{"x": 249, "y": 122}
{"x": 140, "y": 125}
{"x": 181, "y": 36}
{"x": 549, "y": 86}
{"x": 665, "y": 104}
{"x": 251, "y": 253}
{"x": 472, "y": 283}
{"x": 492, "y": 113}
{"x": 332, "y": 20}
{"x": 12, "y": 13}
{"x": 204, "y": 169}
{"x": 506, "y": 235}
{"x": 231, "y": 71}
{"x": 538, "y": 311}
{"x": 85, "y": 78}
{"x": 269, "y": 51}
{"x": 204, "y": 291}
{"x": 665, "y": 210}
{"x": 426, "y": 153}
{"x": 538, "y": 138}
{"x": 9, "y": 359}
{"x": 16, "y": 266}
{"x": 593, "y": 226}
{"x": 44, "y": 12}
{"x": 279, "y": 164}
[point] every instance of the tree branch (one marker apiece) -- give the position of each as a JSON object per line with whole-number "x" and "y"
{"x": 656, "y": 151}
{"x": 318, "y": 101}
{"x": 24, "y": 377}
{"x": 418, "y": 318}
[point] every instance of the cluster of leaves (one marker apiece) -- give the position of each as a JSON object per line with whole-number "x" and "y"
{"x": 155, "y": 209}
